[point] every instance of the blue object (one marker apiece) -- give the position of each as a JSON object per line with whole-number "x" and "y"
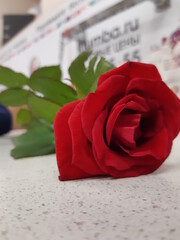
{"x": 5, "y": 120}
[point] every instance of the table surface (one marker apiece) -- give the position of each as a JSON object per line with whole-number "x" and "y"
{"x": 34, "y": 204}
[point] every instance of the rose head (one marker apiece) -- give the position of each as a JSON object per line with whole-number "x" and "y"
{"x": 124, "y": 129}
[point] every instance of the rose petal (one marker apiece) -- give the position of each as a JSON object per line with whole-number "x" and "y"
{"x": 131, "y": 102}
{"x": 133, "y": 70}
{"x": 64, "y": 145}
{"x": 111, "y": 121}
{"x": 98, "y": 145}
{"x": 104, "y": 155}
{"x": 82, "y": 156}
{"x": 137, "y": 103}
{"x": 169, "y": 102}
{"x": 158, "y": 146}
{"x": 134, "y": 171}
{"x": 118, "y": 164}
{"x": 95, "y": 102}
{"x": 152, "y": 123}
{"x": 125, "y": 131}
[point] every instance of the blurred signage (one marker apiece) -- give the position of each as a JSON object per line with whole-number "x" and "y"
{"x": 130, "y": 30}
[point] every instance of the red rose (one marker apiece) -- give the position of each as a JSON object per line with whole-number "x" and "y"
{"x": 124, "y": 129}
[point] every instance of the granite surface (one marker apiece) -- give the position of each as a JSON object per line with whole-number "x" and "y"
{"x": 34, "y": 204}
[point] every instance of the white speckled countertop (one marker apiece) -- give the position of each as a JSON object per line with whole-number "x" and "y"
{"x": 35, "y": 205}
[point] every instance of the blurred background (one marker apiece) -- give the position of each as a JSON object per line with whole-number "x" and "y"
{"x": 15, "y": 15}
{"x": 36, "y": 33}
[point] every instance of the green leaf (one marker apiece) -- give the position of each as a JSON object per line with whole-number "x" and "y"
{"x": 36, "y": 142}
{"x": 11, "y": 79}
{"x": 103, "y": 66}
{"x": 32, "y": 150}
{"x": 52, "y": 89}
{"x": 85, "y": 78}
{"x": 24, "y": 117}
{"x": 51, "y": 72}
{"x": 42, "y": 134}
{"x": 13, "y": 97}
{"x": 42, "y": 108}
{"x": 38, "y": 122}
{"x": 77, "y": 72}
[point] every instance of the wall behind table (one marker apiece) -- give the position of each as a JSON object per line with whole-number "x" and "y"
{"x": 140, "y": 33}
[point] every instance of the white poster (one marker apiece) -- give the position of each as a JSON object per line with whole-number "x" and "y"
{"x": 148, "y": 31}
{"x": 139, "y": 33}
